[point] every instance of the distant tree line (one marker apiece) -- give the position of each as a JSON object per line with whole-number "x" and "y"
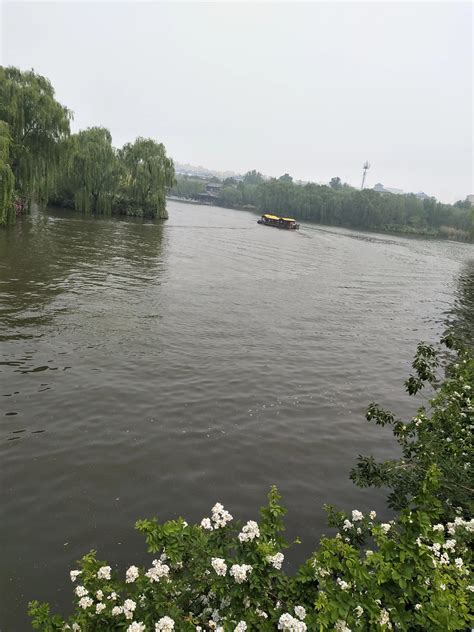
{"x": 339, "y": 204}
{"x": 41, "y": 161}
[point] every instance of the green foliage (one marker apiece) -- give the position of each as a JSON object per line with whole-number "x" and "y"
{"x": 7, "y": 179}
{"x": 92, "y": 171}
{"x": 37, "y": 124}
{"x": 147, "y": 173}
{"x": 443, "y": 438}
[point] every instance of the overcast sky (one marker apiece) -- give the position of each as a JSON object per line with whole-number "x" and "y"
{"x": 312, "y": 89}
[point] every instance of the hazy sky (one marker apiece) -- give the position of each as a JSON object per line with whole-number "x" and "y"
{"x": 313, "y": 89}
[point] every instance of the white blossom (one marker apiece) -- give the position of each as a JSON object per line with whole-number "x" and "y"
{"x": 104, "y": 572}
{"x": 300, "y": 612}
{"x": 341, "y": 626}
{"x": 157, "y": 571}
{"x": 261, "y": 613}
{"x": 206, "y": 524}
{"x": 385, "y": 526}
{"x": 288, "y": 623}
{"x": 373, "y": 515}
{"x": 470, "y": 588}
{"x": 249, "y": 532}
{"x": 99, "y": 595}
{"x": 359, "y": 611}
{"x": 113, "y": 596}
{"x": 219, "y": 565}
{"x": 136, "y": 627}
{"x": 458, "y": 562}
{"x": 99, "y": 607}
{"x": 239, "y": 572}
{"x": 240, "y": 627}
{"x": 74, "y": 575}
{"x": 347, "y": 525}
{"x": 220, "y": 516}
{"x": 116, "y": 610}
{"x": 368, "y": 553}
{"x": 385, "y": 618}
{"x": 165, "y": 624}
{"x": 418, "y": 606}
{"x": 132, "y": 574}
{"x": 342, "y": 584}
{"x": 438, "y": 527}
{"x": 276, "y": 560}
{"x": 449, "y": 545}
{"x": 128, "y": 608}
{"x": 81, "y": 591}
{"x": 357, "y": 515}
{"x": 85, "y": 602}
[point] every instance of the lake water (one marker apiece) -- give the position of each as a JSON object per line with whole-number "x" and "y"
{"x": 156, "y": 368}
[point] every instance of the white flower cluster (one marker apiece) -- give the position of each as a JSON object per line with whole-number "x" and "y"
{"x": 240, "y": 627}
{"x": 104, "y": 572}
{"x": 385, "y": 619}
{"x": 85, "y": 602}
{"x": 220, "y": 517}
{"x": 219, "y": 565}
{"x": 81, "y": 591}
{"x": 358, "y": 611}
{"x": 459, "y": 522}
{"x": 300, "y": 612}
{"x": 136, "y": 627}
{"x": 249, "y": 532}
{"x": 74, "y": 575}
{"x": 99, "y": 607}
{"x": 131, "y": 574}
{"x": 385, "y": 526}
{"x": 157, "y": 571}
{"x": 288, "y": 623}
{"x": 239, "y": 572}
{"x": 276, "y": 560}
{"x": 343, "y": 585}
{"x": 357, "y": 515}
{"x": 341, "y": 626}
{"x": 128, "y": 608}
{"x": 165, "y": 624}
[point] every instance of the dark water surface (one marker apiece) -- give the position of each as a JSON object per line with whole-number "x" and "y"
{"x": 154, "y": 369}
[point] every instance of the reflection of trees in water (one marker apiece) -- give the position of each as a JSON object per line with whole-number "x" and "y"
{"x": 460, "y": 320}
{"x": 43, "y": 256}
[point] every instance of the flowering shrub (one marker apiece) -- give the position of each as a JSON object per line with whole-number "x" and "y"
{"x": 415, "y": 578}
{"x": 224, "y": 576}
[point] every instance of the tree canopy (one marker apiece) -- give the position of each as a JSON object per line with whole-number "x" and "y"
{"x": 37, "y": 124}
{"x": 146, "y": 174}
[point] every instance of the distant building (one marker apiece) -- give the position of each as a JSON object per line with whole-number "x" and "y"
{"x": 211, "y": 194}
{"x": 379, "y": 187}
{"x": 422, "y": 195}
{"x": 470, "y": 199}
{"x": 213, "y": 188}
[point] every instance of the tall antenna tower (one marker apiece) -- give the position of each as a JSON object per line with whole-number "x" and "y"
{"x": 365, "y": 168}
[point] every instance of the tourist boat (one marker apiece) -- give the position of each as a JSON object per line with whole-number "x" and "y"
{"x": 279, "y": 222}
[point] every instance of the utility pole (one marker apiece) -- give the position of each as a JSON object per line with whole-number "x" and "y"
{"x": 365, "y": 168}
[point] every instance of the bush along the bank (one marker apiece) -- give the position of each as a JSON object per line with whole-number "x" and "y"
{"x": 412, "y": 573}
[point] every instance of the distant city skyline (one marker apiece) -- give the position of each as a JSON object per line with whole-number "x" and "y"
{"x": 311, "y": 89}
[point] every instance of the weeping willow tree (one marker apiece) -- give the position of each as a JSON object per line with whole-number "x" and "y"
{"x": 92, "y": 171}
{"x": 7, "y": 179}
{"x": 147, "y": 173}
{"x": 37, "y": 125}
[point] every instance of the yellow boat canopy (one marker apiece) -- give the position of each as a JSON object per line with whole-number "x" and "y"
{"x": 286, "y": 219}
